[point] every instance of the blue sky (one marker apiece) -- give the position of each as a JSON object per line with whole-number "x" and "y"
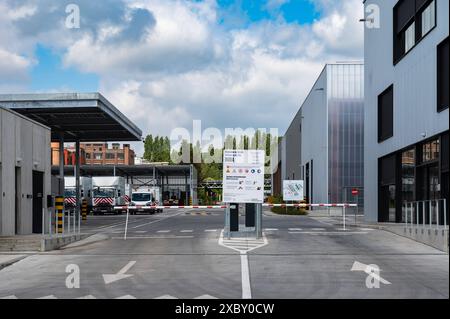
{"x": 50, "y": 74}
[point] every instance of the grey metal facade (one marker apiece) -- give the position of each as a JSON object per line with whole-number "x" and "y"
{"x": 332, "y": 144}
{"x": 414, "y": 81}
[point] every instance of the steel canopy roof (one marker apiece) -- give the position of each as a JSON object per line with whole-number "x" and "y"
{"x": 88, "y": 117}
{"x": 128, "y": 170}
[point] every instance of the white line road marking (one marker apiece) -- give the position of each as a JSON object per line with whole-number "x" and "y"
{"x": 186, "y": 231}
{"x": 270, "y": 229}
{"x": 245, "y": 277}
{"x": 48, "y": 297}
{"x": 295, "y": 229}
{"x": 155, "y": 237}
{"x": 141, "y": 231}
{"x": 120, "y": 275}
{"x": 9, "y": 297}
{"x": 163, "y": 231}
{"x": 126, "y": 297}
{"x": 328, "y": 233}
{"x": 316, "y": 229}
{"x": 166, "y": 297}
{"x": 205, "y": 297}
{"x": 210, "y": 230}
{"x": 156, "y": 221}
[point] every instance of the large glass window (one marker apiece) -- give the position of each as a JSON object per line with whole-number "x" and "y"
{"x": 408, "y": 177}
{"x": 430, "y": 151}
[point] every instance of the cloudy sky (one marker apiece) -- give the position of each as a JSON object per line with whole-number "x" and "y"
{"x": 164, "y": 63}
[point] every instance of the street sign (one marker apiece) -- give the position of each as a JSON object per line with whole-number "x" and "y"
{"x": 292, "y": 190}
{"x": 243, "y": 176}
{"x": 355, "y": 192}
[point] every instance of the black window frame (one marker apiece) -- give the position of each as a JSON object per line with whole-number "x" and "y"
{"x": 398, "y": 36}
{"x": 385, "y": 136}
{"x": 441, "y": 87}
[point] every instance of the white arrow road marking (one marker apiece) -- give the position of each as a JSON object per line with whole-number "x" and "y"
{"x": 120, "y": 275}
{"x": 205, "y": 297}
{"x": 48, "y": 297}
{"x": 166, "y": 297}
{"x": 357, "y": 266}
{"x": 126, "y": 297}
{"x": 9, "y": 297}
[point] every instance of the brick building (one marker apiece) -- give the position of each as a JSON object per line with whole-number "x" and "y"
{"x": 101, "y": 154}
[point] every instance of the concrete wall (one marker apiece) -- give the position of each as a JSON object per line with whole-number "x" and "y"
{"x": 415, "y": 96}
{"x": 26, "y": 145}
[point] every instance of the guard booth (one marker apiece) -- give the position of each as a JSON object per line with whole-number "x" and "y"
{"x": 73, "y": 118}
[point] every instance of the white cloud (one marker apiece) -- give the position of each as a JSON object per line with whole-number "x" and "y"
{"x": 176, "y": 62}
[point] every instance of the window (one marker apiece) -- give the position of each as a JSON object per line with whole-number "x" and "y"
{"x": 410, "y": 38}
{"x": 98, "y": 156}
{"x": 413, "y": 20}
{"x": 430, "y": 151}
{"x": 88, "y": 155}
{"x": 110, "y": 156}
{"x": 386, "y": 114}
{"x": 120, "y": 156}
{"x": 443, "y": 76}
{"x": 428, "y": 18}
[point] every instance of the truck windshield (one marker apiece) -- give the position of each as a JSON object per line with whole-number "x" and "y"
{"x": 70, "y": 192}
{"x": 103, "y": 193}
{"x": 141, "y": 197}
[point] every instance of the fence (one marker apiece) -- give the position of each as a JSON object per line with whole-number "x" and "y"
{"x": 426, "y": 213}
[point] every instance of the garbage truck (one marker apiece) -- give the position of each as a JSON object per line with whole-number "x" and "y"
{"x": 108, "y": 192}
{"x": 70, "y": 194}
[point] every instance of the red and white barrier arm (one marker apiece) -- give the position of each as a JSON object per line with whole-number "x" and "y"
{"x": 310, "y": 205}
{"x": 225, "y": 206}
{"x": 173, "y": 207}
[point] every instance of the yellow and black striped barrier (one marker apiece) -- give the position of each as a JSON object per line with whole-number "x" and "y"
{"x": 84, "y": 208}
{"x": 59, "y": 207}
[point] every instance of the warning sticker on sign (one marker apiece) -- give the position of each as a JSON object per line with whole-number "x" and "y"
{"x": 243, "y": 176}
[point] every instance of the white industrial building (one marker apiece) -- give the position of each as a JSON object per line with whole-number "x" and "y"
{"x": 406, "y": 107}
{"x": 25, "y": 173}
{"x": 329, "y": 133}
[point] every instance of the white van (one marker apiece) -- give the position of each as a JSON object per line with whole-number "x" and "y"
{"x": 142, "y": 198}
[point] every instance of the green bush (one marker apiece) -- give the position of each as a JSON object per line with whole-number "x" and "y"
{"x": 289, "y": 211}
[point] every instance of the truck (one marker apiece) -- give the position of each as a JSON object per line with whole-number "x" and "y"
{"x": 70, "y": 195}
{"x": 145, "y": 196}
{"x": 108, "y": 192}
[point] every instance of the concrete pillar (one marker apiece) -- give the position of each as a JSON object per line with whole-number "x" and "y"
{"x": 61, "y": 163}
{"x": 77, "y": 178}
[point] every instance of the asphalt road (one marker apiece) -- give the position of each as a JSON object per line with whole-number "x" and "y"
{"x": 177, "y": 255}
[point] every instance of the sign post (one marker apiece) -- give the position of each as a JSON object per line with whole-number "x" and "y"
{"x": 243, "y": 182}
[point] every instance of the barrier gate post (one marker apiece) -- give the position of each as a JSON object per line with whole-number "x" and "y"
{"x": 84, "y": 209}
{"x": 59, "y": 206}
